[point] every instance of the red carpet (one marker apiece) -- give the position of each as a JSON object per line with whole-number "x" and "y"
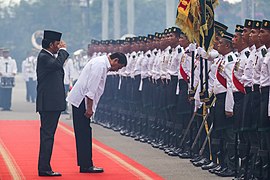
{"x": 19, "y": 146}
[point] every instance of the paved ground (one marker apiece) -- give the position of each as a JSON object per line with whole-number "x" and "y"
{"x": 170, "y": 168}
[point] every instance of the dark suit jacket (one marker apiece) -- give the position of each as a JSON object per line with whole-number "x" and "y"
{"x": 50, "y": 78}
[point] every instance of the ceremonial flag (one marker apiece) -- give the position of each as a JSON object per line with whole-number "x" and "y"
{"x": 207, "y": 23}
{"x": 196, "y": 20}
{"x": 187, "y": 19}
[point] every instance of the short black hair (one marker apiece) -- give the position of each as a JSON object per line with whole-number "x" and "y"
{"x": 46, "y": 43}
{"x": 120, "y": 56}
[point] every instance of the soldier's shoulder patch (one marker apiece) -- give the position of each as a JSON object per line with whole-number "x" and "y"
{"x": 264, "y": 52}
{"x": 247, "y": 53}
{"x": 230, "y": 58}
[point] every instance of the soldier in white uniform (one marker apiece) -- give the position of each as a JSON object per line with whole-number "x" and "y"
{"x": 264, "y": 123}
{"x": 68, "y": 78}
{"x": 224, "y": 104}
{"x": 238, "y": 93}
{"x": 256, "y": 73}
{"x": 78, "y": 63}
{"x": 214, "y": 88}
{"x": 8, "y": 70}
{"x": 30, "y": 77}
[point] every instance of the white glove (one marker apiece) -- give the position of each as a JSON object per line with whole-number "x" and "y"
{"x": 213, "y": 54}
{"x": 192, "y": 47}
{"x": 202, "y": 53}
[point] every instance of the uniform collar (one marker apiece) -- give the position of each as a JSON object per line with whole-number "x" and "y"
{"x": 244, "y": 50}
{"x": 262, "y": 47}
{"x": 108, "y": 64}
{"x": 253, "y": 48}
{"x": 48, "y": 52}
{"x": 229, "y": 54}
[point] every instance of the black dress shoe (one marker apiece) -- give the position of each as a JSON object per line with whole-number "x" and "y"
{"x": 227, "y": 173}
{"x": 202, "y": 162}
{"x": 185, "y": 155}
{"x": 218, "y": 168}
{"x": 220, "y": 171}
{"x": 198, "y": 158}
{"x": 48, "y": 173}
{"x": 211, "y": 165}
{"x": 92, "y": 169}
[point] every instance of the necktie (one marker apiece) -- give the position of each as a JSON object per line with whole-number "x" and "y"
{"x": 6, "y": 67}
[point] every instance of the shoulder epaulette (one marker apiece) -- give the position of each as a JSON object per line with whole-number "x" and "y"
{"x": 230, "y": 58}
{"x": 264, "y": 52}
{"x": 247, "y": 53}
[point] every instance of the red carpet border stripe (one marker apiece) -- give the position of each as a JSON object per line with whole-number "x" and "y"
{"x": 109, "y": 153}
{"x": 11, "y": 165}
{"x": 19, "y": 142}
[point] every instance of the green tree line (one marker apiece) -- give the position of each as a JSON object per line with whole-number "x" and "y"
{"x": 81, "y": 24}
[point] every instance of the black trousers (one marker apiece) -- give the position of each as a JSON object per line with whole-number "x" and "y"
{"x": 49, "y": 121}
{"x": 6, "y": 98}
{"x": 1, "y": 95}
{"x": 83, "y": 136}
{"x": 31, "y": 92}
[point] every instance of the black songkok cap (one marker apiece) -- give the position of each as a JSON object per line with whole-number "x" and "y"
{"x": 135, "y": 39}
{"x": 120, "y": 41}
{"x": 265, "y": 24}
{"x": 150, "y": 36}
{"x": 112, "y": 41}
{"x": 248, "y": 23}
{"x": 93, "y": 41}
{"x": 220, "y": 28}
{"x": 227, "y": 35}
{"x": 176, "y": 30}
{"x": 52, "y": 35}
{"x": 166, "y": 31}
{"x": 239, "y": 28}
{"x": 256, "y": 24}
{"x": 128, "y": 39}
{"x": 219, "y": 25}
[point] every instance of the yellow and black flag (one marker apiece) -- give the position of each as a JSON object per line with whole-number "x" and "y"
{"x": 196, "y": 20}
{"x": 207, "y": 23}
{"x": 187, "y": 19}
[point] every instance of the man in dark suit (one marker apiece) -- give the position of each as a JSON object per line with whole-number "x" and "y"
{"x": 50, "y": 95}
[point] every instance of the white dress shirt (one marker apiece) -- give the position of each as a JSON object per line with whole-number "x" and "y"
{"x": 248, "y": 70}
{"x": 69, "y": 71}
{"x": 257, "y": 63}
{"x": 91, "y": 82}
{"x": 29, "y": 68}
{"x": 8, "y": 67}
{"x": 230, "y": 60}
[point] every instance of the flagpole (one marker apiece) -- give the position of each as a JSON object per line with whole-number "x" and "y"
{"x": 192, "y": 70}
